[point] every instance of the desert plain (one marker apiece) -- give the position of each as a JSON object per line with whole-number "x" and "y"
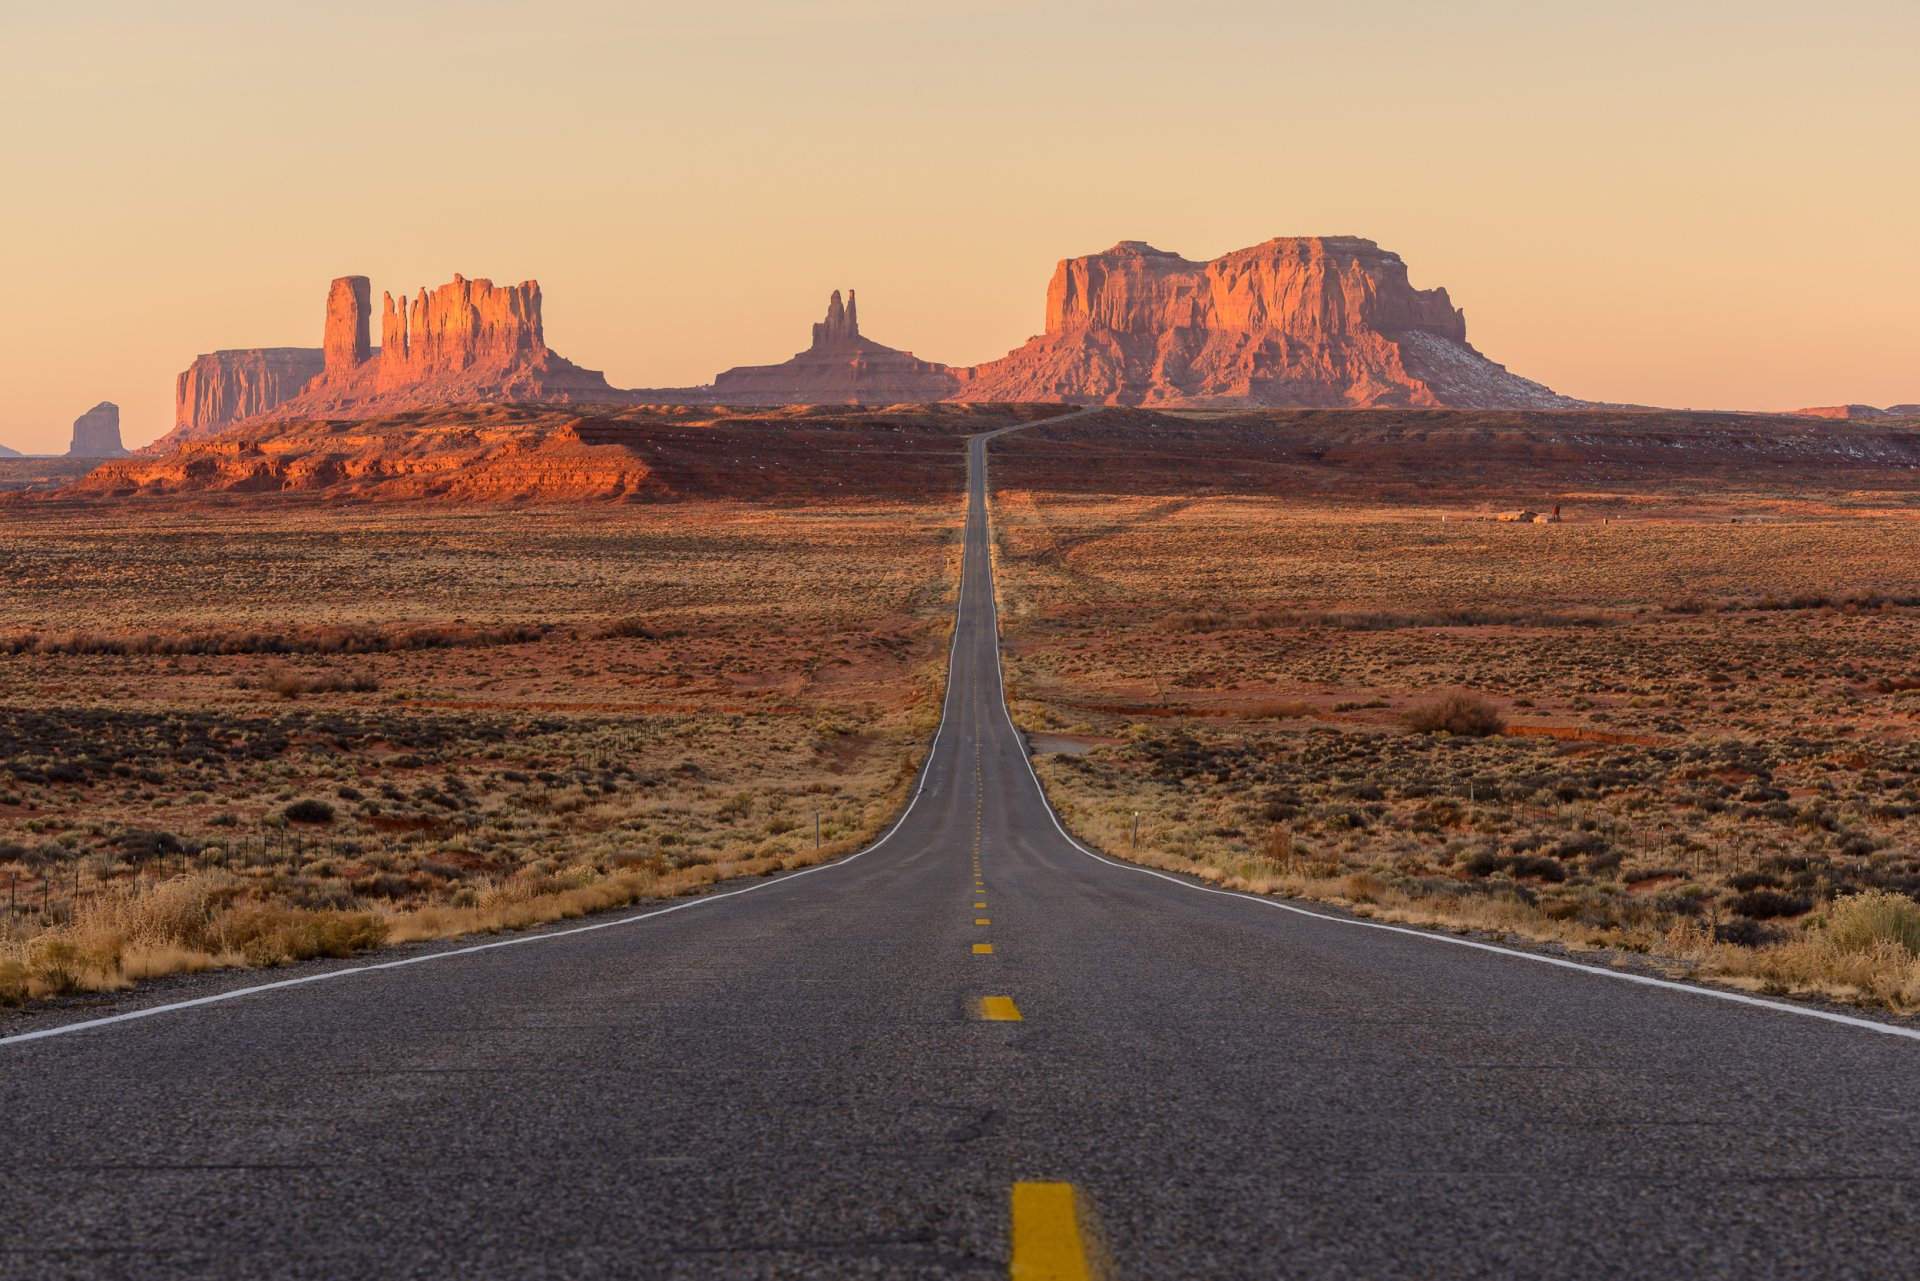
{"x": 1294, "y": 652}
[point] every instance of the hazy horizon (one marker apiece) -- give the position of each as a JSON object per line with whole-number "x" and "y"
{"x": 1696, "y": 205}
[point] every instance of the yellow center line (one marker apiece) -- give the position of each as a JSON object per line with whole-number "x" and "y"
{"x": 1055, "y": 1235}
{"x": 982, "y": 903}
{"x": 981, "y": 920}
{"x": 983, "y": 949}
{"x": 997, "y": 1009}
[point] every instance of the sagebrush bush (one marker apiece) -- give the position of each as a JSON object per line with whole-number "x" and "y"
{"x": 1464, "y": 714}
{"x": 1859, "y": 922}
{"x": 309, "y": 811}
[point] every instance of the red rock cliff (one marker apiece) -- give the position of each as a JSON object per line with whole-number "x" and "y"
{"x": 222, "y": 387}
{"x": 1294, "y": 321}
{"x": 349, "y": 319}
{"x": 468, "y": 341}
{"x": 458, "y": 326}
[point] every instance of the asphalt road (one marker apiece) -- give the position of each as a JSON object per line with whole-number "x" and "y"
{"x": 796, "y": 1080}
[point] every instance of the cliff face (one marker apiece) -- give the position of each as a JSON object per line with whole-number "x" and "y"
{"x": 842, "y": 367}
{"x": 467, "y": 341}
{"x": 223, "y": 387}
{"x": 96, "y": 433}
{"x": 1302, "y": 321}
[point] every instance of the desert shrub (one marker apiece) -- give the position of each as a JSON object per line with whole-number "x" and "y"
{"x": 275, "y": 935}
{"x": 328, "y": 639}
{"x": 1860, "y": 922}
{"x": 1743, "y": 931}
{"x": 308, "y": 811}
{"x": 632, "y": 627}
{"x": 13, "y": 983}
{"x": 1463, "y": 714}
{"x": 139, "y": 845}
{"x": 1764, "y": 905}
{"x": 1538, "y": 866}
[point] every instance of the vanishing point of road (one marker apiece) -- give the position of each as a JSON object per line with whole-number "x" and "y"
{"x": 974, "y": 1048}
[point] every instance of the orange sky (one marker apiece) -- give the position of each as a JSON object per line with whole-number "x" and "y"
{"x": 1682, "y": 203}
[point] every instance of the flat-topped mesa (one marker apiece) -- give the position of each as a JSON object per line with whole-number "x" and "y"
{"x": 1302, "y": 285}
{"x": 1298, "y": 320}
{"x": 465, "y": 342}
{"x": 842, "y": 367}
{"x": 222, "y": 387}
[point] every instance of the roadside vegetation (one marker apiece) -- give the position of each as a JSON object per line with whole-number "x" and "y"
{"x": 1666, "y": 736}
{"x": 256, "y": 738}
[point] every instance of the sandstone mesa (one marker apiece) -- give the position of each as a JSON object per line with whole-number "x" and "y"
{"x": 465, "y": 342}
{"x": 1311, "y": 321}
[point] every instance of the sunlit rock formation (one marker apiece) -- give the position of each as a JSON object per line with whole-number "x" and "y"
{"x": 1307, "y": 321}
{"x": 842, "y": 367}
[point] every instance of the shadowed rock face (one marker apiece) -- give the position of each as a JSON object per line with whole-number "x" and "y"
{"x": 1306, "y": 321}
{"x": 222, "y": 387}
{"x": 842, "y": 367}
{"x": 96, "y": 433}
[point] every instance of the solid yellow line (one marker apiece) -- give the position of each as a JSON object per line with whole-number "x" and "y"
{"x": 983, "y": 949}
{"x": 998, "y": 1009}
{"x": 1048, "y": 1243}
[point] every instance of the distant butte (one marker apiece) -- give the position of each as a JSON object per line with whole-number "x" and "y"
{"x": 1295, "y": 322}
{"x": 842, "y": 367}
{"x": 96, "y": 433}
{"x": 466, "y": 342}
{"x": 1859, "y": 411}
{"x": 1307, "y": 321}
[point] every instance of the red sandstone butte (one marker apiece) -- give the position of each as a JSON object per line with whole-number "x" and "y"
{"x": 842, "y": 367}
{"x": 1297, "y": 321}
{"x": 466, "y": 342}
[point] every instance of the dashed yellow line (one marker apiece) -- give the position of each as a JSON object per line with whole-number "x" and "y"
{"x": 997, "y": 1009}
{"x": 1055, "y": 1235}
{"x": 983, "y": 949}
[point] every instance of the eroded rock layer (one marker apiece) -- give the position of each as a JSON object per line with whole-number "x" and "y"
{"x": 1298, "y": 321}
{"x": 842, "y": 367}
{"x": 223, "y": 387}
{"x": 466, "y": 342}
{"x": 558, "y": 453}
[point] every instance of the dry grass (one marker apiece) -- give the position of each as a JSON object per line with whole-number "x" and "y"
{"x": 657, "y": 699}
{"x": 1705, "y": 785}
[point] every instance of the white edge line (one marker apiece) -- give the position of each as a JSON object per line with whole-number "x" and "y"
{"x": 347, "y": 971}
{"x": 1717, "y": 994}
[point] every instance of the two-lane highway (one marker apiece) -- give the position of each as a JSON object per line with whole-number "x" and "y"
{"x": 972, "y": 1046}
